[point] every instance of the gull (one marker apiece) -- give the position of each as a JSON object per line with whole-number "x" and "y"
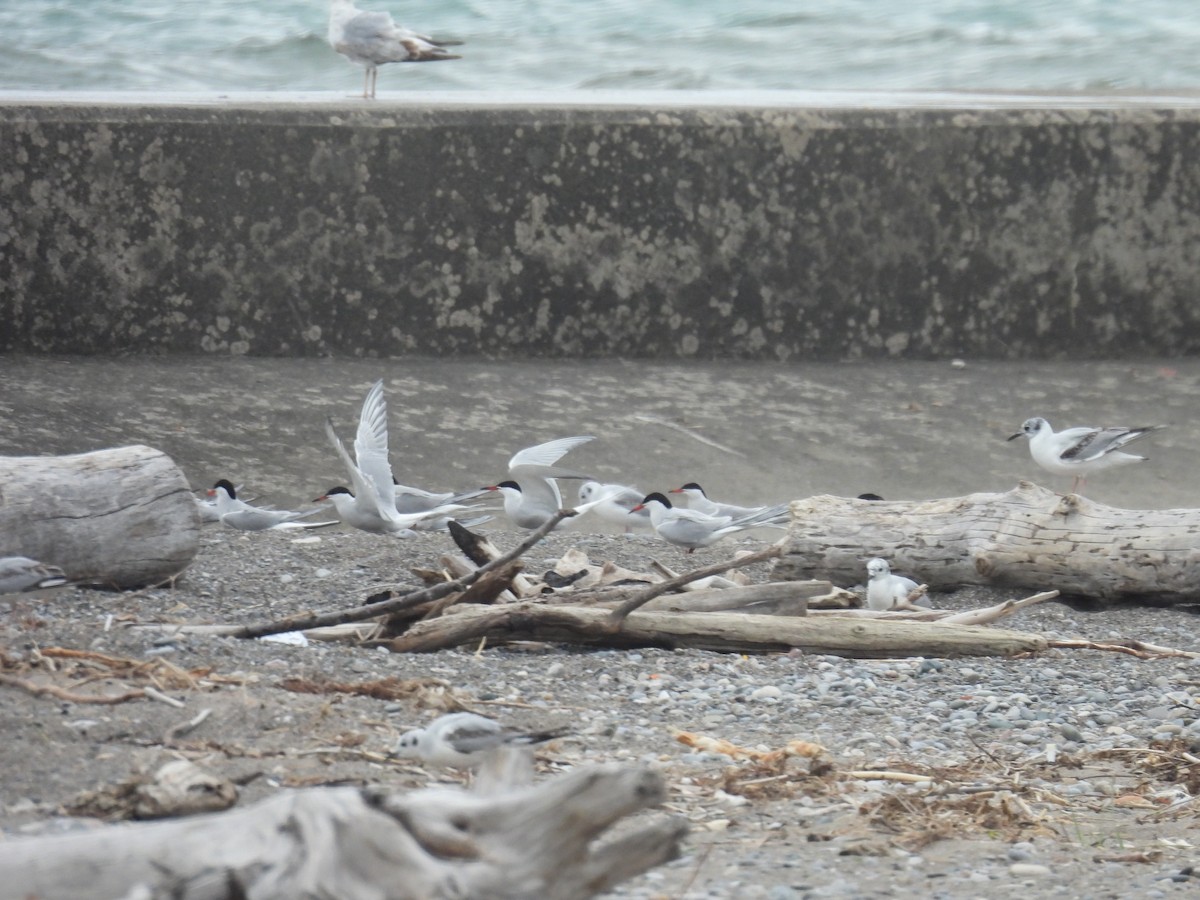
{"x": 371, "y": 39}
{"x": 690, "y": 528}
{"x": 888, "y": 591}
{"x": 698, "y": 500}
{"x": 464, "y": 740}
{"x": 370, "y": 505}
{"x": 241, "y": 515}
{"x": 531, "y": 497}
{"x": 1079, "y": 451}
{"x": 20, "y": 573}
{"x": 614, "y": 503}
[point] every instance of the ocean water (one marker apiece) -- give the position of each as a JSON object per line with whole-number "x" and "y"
{"x": 621, "y": 45}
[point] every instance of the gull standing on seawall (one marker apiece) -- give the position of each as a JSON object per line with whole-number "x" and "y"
{"x": 371, "y": 39}
{"x": 1079, "y": 451}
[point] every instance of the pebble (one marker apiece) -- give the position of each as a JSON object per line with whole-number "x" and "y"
{"x": 1025, "y": 869}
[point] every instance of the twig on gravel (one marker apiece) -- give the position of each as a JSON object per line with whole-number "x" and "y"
{"x": 306, "y": 620}
{"x": 58, "y": 693}
{"x": 155, "y": 694}
{"x": 1135, "y": 648}
{"x": 177, "y": 731}
{"x": 617, "y": 618}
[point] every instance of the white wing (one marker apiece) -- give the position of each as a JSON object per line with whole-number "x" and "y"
{"x": 533, "y": 467}
{"x": 364, "y": 491}
{"x": 371, "y": 446}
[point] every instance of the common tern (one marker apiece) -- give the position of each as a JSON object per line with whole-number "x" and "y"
{"x": 690, "y": 528}
{"x": 372, "y": 39}
{"x": 241, "y": 515}
{"x": 699, "y": 501}
{"x": 614, "y": 503}
{"x": 531, "y": 497}
{"x": 464, "y": 740}
{"x": 20, "y": 573}
{"x": 885, "y": 590}
{"x": 370, "y": 504}
{"x": 1080, "y": 451}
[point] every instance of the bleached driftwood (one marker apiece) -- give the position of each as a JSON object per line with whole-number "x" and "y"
{"x": 1028, "y": 538}
{"x": 780, "y": 598}
{"x": 726, "y": 632}
{"x": 356, "y": 844}
{"x": 123, "y": 518}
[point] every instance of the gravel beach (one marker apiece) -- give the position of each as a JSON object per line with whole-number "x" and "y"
{"x": 1062, "y": 775}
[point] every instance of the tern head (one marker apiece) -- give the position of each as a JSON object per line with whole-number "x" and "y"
{"x": 1030, "y": 428}
{"x": 334, "y": 491}
{"x": 511, "y": 485}
{"x": 878, "y": 566}
{"x": 226, "y": 485}
{"x": 689, "y": 487}
{"x": 656, "y": 497}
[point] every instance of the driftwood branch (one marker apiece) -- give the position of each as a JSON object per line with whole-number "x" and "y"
{"x": 1028, "y": 538}
{"x": 357, "y": 844}
{"x": 726, "y": 632}
{"x": 119, "y": 518}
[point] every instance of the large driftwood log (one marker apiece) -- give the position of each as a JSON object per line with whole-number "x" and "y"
{"x": 1027, "y": 538}
{"x": 727, "y": 632}
{"x": 366, "y": 844}
{"x": 123, "y": 518}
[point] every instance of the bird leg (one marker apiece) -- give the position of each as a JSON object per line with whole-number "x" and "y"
{"x": 366, "y": 81}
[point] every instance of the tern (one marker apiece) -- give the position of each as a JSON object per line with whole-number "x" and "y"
{"x": 531, "y": 498}
{"x": 698, "y": 500}
{"x": 372, "y": 39}
{"x": 20, "y": 573}
{"x": 1080, "y": 451}
{"x": 614, "y": 503}
{"x": 370, "y": 505}
{"x": 888, "y": 591}
{"x": 690, "y": 528}
{"x": 465, "y": 740}
{"x": 241, "y": 515}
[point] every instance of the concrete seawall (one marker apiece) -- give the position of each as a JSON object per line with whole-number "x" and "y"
{"x": 746, "y": 233}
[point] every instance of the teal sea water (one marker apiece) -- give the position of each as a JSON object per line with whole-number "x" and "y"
{"x": 532, "y": 45}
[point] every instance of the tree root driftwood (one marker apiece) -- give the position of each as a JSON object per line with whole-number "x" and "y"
{"x": 120, "y": 518}
{"x": 1027, "y": 538}
{"x": 354, "y": 844}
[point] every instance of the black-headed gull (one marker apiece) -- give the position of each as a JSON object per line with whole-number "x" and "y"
{"x": 464, "y": 740}
{"x": 241, "y": 515}
{"x": 1080, "y": 451}
{"x": 531, "y": 497}
{"x": 699, "y": 501}
{"x": 372, "y": 39}
{"x": 20, "y": 573}
{"x": 370, "y": 504}
{"x": 691, "y": 529}
{"x": 614, "y": 503}
{"x": 885, "y": 590}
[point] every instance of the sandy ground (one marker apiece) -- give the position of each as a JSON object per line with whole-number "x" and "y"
{"x": 750, "y": 433}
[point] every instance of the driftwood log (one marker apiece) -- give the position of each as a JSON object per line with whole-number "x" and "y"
{"x": 356, "y": 844}
{"x": 1027, "y": 538}
{"x": 724, "y": 632}
{"x": 122, "y": 518}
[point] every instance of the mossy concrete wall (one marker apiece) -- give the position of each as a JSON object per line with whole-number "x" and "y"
{"x": 747, "y": 233}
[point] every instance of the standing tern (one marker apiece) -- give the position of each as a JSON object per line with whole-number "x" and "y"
{"x": 614, "y": 503}
{"x": 698, "y": 500}
{"x": 370, "y": 505}
{"x": 241, "y": 515}
{"x": 372, "y": 39}
{"x": 465, "y": 740}
{"x": 1079, "y": 451}
{"x": 20, "y": 573}
{"x": 888, "y": 591}
{"x": 690, "y": 528}
{"x": 531, "y": 498}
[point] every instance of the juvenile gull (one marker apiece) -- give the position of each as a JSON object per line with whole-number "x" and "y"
{"x": 465, "y": 740}
{"x": 887, "y": 591}
{"x": 1080, "y": 451}
{"x": 614, "y": 503}
{"x": 371, "y": 39}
